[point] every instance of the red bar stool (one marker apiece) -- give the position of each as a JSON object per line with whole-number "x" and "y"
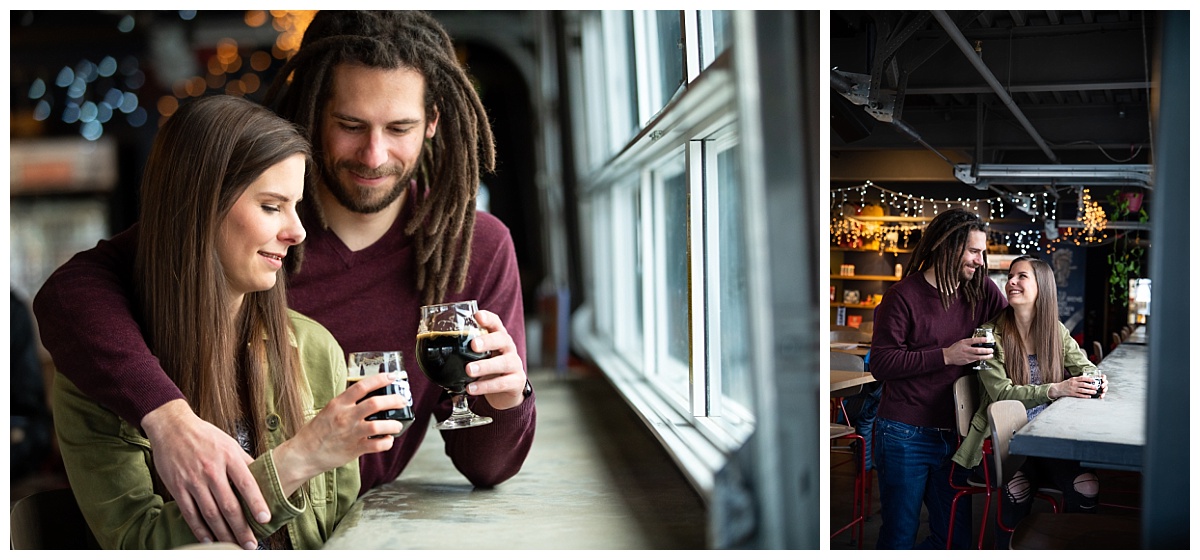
{"x": 858, "y": 507}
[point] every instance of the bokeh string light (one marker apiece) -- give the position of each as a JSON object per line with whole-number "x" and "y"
{"x": 93, "y": 93}
{"x": 908, "y": 213}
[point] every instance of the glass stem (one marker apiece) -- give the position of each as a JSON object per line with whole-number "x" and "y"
{"x": 460, "y": 405}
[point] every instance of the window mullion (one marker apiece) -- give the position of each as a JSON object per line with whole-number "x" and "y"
{"x": 700, "y": 381}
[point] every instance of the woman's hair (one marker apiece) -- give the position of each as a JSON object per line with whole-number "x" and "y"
{"x": 203, "y": 159}
{"x": 1044, "y": 340}
{"x": 443, "y": 219}
{"x": 941, "y": 247}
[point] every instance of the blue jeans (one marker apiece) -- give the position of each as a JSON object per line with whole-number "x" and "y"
{"x": 914, "y": 469}
{"x": 864, "y": 424}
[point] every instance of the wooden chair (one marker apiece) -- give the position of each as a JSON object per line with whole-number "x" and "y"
{"x": 1005, "y": 418}
{"x": 49, "y": 520}
{"x": 1097, "y": 352}
{"x": 966, "y": 402}
{"x": 1116, "y": 341}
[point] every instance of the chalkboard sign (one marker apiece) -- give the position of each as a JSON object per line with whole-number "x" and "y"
{"x": 1069, "y": 264}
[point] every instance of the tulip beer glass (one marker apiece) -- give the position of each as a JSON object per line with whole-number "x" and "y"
{"x": 443, "y": 352}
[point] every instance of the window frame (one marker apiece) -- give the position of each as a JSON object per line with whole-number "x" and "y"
{"x": 698, "y": 427}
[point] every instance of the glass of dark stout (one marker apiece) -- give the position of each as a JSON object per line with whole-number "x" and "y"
{"x": 443, "y": 352}
{"x": 359, "y": 365}
{"x": 981, "y": 332}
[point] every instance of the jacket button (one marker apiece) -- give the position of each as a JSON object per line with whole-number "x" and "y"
{"x": 273, "y": 421}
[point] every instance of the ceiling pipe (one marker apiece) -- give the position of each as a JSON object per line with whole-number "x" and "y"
{"x": 977, "y": 61}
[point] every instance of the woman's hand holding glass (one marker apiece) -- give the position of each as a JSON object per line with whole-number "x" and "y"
{"x": 339, "y": 433}
{"x": 1079, "y": 386}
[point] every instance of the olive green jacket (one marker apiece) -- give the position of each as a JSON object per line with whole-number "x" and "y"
{"x": 109, "y": 464}
{"x": 996, "y": 386}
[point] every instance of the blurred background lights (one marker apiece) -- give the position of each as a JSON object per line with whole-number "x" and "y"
{"x": 86, "y": 70}
{"x": 260, "y": 61}
{"x": 87, "y": 112}
{"x": 65, "y": 77}
{"x": 91, "y": 130}
{"x": 41, "y": 111}
{"x": 135, "y": 80}
{"x": 137, "y": 117}
{"x": 107, "y": 67}
{"x": 71, "y": 112}
{"x": 129, "y": 102}
{"x": 77, "y": 88}
{"x": 255, "y": 18}
{"x": 37, "y": 89}
{"x": 91, "y": 93}
{"x": 113, "y": 97}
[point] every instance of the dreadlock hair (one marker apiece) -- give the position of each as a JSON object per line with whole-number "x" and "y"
{"x": 941, "y": 247}
{"x": 1043, "y": 338}
{"x": 443, "y": 219}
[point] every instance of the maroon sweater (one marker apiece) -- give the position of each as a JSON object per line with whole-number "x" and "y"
{"x": 367, "y": 299}
{"x": 911, "y": 328}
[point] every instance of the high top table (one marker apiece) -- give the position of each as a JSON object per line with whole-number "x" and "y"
{"x": 842, "y": 379}
{"x": 1108, "y": 433}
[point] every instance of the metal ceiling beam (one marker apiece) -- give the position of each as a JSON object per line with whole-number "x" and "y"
{"x": 959, "y": 40}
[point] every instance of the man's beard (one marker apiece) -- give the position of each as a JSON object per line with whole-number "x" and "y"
{"x": 966, "y": 278}
{"x": 364, "y": 200}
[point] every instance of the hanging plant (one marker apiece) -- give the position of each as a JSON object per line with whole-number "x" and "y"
{"x": 1125, "y": 261}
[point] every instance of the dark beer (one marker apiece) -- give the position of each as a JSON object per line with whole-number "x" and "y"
{"x": 1097, "y": 383}
{"x": 985, "y": 344}
{"x": 981, "y": 332}
{"x": 444, "y": 356}
{"x": 404, "y": 415}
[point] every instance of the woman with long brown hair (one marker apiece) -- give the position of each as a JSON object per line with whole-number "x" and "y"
{"x": 1036, "y": 361}
{"x": 219, "y": 215}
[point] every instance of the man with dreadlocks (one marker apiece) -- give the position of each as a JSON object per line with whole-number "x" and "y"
{"x": 921, "y": 341}
{"x": 399, "y": 136}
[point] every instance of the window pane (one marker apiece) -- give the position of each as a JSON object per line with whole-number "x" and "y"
{"x": 722, "y": 27}
{"x": 599, "y": 276}
{"x": 627, "y": 264}
{"x": 734, "y": 350}
{"x": 675, "y": 222}
{"x": 635, "y": 252}
{"x": 670, "y": 53}
{"x": 629, "y": 119}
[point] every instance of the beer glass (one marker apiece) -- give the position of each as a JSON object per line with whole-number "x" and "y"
{"x": 359, "y": 365}
{"x": 443, "y": 351}
{"x": 1097, "y": 382}
{"x": 981, "y": 332}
